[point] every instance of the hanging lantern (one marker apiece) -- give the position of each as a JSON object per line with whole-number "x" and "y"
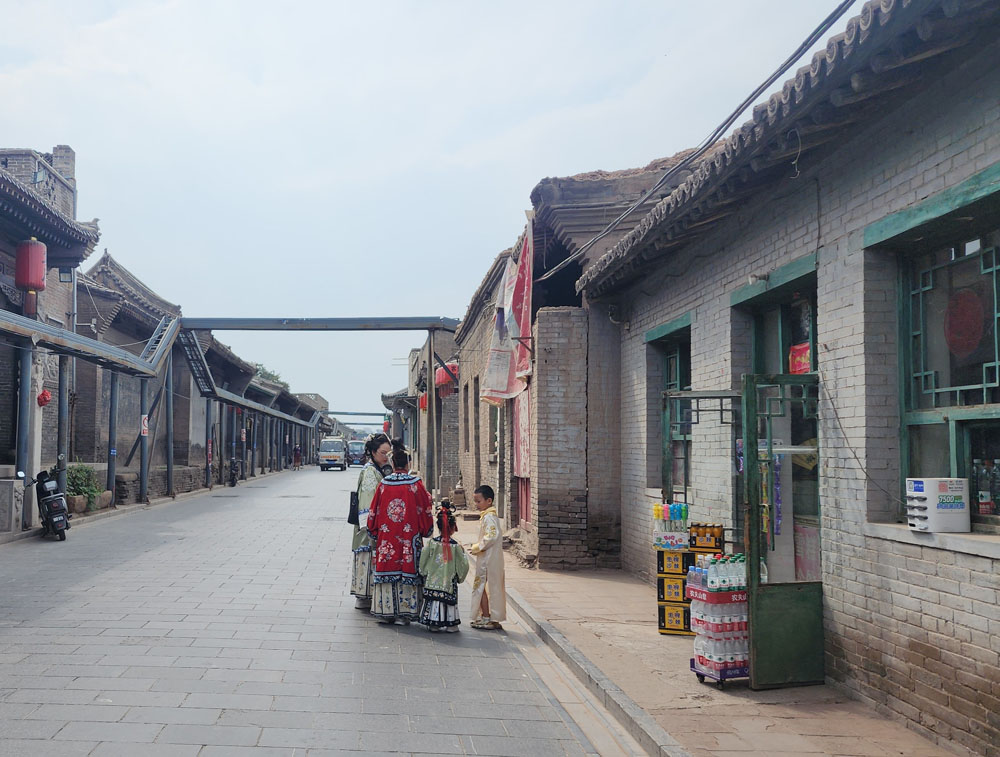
{"x": 385, "y": 426}
{"x": 444, "y": 382}
{"x": 30, "y": 266}
{"x": 442, "y": 377}
{"x": 422, "y": 401}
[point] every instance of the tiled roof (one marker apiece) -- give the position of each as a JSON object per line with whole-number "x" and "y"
{"x": 24, "y": 213}
{"x": 209, "y": 343}
{"x": 114, "y": 275}
{"x": 398, "y": 400}
{"x": 97, "y": 306}
{"x": 572, "y": 210}
{"x": 483, "y": 294}
{"x": 887, "y": 47}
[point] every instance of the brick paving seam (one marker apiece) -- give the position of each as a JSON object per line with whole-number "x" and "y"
{"x": 639, "y": 724}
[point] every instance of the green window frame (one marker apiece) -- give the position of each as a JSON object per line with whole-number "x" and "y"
{"x": 672, "y": 341}
{"x": 957, "y": 410}
{"x": 940, "y": 416}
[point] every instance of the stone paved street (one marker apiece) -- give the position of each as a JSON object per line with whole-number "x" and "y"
{"x": 220, "y": 625}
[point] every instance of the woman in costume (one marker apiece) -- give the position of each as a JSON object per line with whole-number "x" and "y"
{"x": 443, "y": 566}
{"x": 400, "y": 516}
{"x": 377, "y": 448}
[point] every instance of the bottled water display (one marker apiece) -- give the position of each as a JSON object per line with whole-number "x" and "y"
{"x": 722, "y": 642}
{"x": 722, "y": 573}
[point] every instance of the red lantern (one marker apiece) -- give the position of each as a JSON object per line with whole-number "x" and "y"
{"x": 385, "y": 426}
{"x": 30, "y": 266}
{"x": 444, "y": 382}
{"x": 44, "y": 397}
{"x": 442, "y": 377}
{"x": 422, "y": 402}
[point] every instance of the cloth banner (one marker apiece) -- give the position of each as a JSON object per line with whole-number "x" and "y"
{"x": 522, "y": 434}
{"x": 509, "y": 363}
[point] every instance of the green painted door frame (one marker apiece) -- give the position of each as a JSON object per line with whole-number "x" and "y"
{"x": 786, "y": 619}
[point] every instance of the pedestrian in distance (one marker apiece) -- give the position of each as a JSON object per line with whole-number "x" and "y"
{"x": 443, "y": 566}
{"x": 297, "y": 457}
{"x": 489, "y": 597}
{"x": 377, "y": 449}
{"x": 401, "y": 516}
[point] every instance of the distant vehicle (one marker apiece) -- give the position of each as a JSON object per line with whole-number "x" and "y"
{"x": 355, "y": 453}
{"x": 332, "y": 453}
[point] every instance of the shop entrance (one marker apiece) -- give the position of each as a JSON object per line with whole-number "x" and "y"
{"x": 780, "y": 461}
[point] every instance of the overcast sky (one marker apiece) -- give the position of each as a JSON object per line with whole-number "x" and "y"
{"x": 359, "y": 158}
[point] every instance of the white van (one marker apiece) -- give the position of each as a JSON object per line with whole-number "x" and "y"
{"x": 333, "y": 453}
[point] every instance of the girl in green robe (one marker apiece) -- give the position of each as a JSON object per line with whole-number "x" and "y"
{"x": 443, "y": 566}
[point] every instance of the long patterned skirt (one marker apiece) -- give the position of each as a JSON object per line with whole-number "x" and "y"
{"x": 437, "y": 614}
{"x": 361, "y": 575}
{"x": 396, "y": 601}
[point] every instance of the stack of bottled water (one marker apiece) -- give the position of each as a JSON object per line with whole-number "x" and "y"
{"x": 722, "y": 573}
{"x": 720, "y": 625}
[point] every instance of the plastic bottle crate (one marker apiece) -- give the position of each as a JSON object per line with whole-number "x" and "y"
{"x": 674, "y": 561}
{"x": 674, "y": 618}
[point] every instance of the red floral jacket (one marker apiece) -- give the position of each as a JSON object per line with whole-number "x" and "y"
{"x": 401, "y": 515}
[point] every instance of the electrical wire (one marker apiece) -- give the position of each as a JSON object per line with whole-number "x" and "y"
{"x": 712, "y": 138}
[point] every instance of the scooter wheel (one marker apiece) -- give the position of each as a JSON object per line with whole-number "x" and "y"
{"x": 62, "y": 536}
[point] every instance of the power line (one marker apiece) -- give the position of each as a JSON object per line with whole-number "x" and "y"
{"x": 712, "y": 138}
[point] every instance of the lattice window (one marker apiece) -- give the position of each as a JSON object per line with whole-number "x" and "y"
{"x": 953, "y": 314}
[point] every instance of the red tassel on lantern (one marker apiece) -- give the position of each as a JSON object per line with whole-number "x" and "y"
{"x": 44, "y": 397}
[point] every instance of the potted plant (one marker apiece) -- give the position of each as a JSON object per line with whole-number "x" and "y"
{"x": 81, "y": 488}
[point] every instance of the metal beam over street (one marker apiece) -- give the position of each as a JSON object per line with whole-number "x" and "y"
{"x": 351, "y": 412}
{"x": 421, "y": 323}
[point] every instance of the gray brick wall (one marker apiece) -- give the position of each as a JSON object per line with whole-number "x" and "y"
{"x": 559, "y": 438}
{"x": 473, "y": 353}
{"x": 604, "y": 438}
{"x": 910, "y": 630}
{"x": 57, "y": 184}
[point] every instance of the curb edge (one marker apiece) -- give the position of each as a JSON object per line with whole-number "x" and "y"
{"x": 639, "y": 723}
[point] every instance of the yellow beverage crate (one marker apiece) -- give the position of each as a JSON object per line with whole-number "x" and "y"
{"x": 674, "y": 618}
{"x": 671, "y": 589}
{"x": 675, "y": 561}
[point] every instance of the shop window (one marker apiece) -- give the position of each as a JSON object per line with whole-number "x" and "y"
{"x": 950, "y": 361}
{"x": 784, "y": 334}
{"x": 953, "y": 313}
{"x": 670, "y": 353}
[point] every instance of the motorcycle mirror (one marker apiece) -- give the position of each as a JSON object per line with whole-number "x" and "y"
{"x": 20, "y": 474}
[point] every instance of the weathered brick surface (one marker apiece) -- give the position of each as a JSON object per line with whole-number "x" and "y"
{"x": 186, "y": 479}
{"x": 912, "y": 630}
{"x": 559, "y": 438}
{"x": 478, "y": 460}
{"x": 56, "y": 182}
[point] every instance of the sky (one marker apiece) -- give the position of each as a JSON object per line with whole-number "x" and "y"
{"x": 352, "y": 159}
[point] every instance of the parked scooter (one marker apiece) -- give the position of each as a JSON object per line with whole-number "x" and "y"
{"x": 52, "y": 510}
{"x": 234, "y": 471}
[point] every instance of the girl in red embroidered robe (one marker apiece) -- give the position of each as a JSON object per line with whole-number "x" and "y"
{"x": 401, "y": 516}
